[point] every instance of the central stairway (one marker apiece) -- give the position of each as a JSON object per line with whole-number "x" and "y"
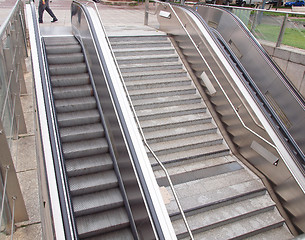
{"x": 221, "y": 198}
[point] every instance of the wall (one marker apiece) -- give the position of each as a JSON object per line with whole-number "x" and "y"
{"x": 291, "y": 61}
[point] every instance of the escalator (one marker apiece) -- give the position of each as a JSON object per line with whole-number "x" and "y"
{"x": 90, "y": 181}
{"x": 98, "y": 205}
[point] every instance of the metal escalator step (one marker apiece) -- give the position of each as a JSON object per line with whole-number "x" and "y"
{"x": 54, "y": 59}
{"x": 70, "y": 119}
{"x": 97, "y": 202}
{"x": 70, "y": 80}
{"x": 75, "y": 104}
{"x": 103, "y": 222}
{"x": 87, "y": 165}
{"x": 82, "y": 132}
{"x": 62, "y": 40}
{"x": 62, "y": 49}
{"x": 124, "y": 234}
{"x": 67, "y": 69}
{"x": 84, "y": 148}
{"x": 72, "y": 92}
{"x": 91, "y": 183}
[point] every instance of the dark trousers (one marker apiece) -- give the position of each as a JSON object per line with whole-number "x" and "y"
{"x": 42, "y": 7}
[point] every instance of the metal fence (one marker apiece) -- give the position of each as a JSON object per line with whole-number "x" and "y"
{"x": 13, "y": 50}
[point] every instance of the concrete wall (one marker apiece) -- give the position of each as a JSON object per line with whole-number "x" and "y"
{"x": 291, "y": 61}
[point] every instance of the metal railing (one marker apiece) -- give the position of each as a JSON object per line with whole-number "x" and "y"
{"x": 141, "y": 131}
{"x": 13, "y": 51}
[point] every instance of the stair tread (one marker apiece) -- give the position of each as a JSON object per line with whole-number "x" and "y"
{"x": 200, "y": 193}
{"x": 188, "y": 142}
{"x": 243, "y": 229}
{"x": 148, "y": 64}
{"x": 162, "y": 90}
{"x": 89, "y": 183}
{"x": 173, "y": 121}
{"x": 90, "y": 164}
{"x": 121, "y": 234}
{"x": 130, "y": 50}
{"x": 163, "y": 56}
{"x": 102, "y": 222}
{"x": 180, "y": 131}
{"x": 232, "y": 212}
{"x": 98, "y": 201}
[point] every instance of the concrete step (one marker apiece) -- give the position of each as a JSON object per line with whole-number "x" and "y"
{"x": 151, "y": 103}
{"x": 175, "y": 122}
{"x": 102, "y": 222}
{"x": 84, "y": 148}
{"x": 248, "y": 227}
{"x": 220, "y": 217}
{"x": 139, "y": 45}
{"x": 163, "y": 81}
{"x": 90, "y": 183}
{"x": 188, "y": 143}
{"x": 70, "y": 80}
{"x": 171, "y": 111}
{"x": 97, "y": 202}
{"x": 72, "y": 92}
{"x": 179, "y": 132}
{"x": 70, "y": 119}
{"x": 164, "y": 74}
{"x": 161, "y": 92}
{"x": 191, "y": 155}
{"x": 82, "y": 132}
{"x": 75, "y": 104}
{"x": 142, "y": 67}
{"x": 119, "y": 52}
{"x": 276, "y": 233}
{"x": 148, "y": 59}
{"x": 87, "y": 165}
{"x": 141, "y": 39}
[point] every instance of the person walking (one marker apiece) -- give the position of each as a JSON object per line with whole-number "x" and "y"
{"x": 44, "y": 5}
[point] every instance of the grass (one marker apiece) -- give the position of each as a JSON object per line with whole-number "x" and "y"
{"x": 292, "y": 37}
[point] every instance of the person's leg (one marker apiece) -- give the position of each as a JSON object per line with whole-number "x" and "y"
{"x": 41, "y": 8}
{"x": 48, "y": 9}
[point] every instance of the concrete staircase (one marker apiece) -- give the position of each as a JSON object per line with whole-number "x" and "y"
{"x": 221, "y": 198}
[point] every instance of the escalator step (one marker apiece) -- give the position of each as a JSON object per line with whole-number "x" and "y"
{"x": 97, "y": 202}
{"x": 78, "y": 118}
{"x": 62, "y": 49}
{"x": 75, "y": 104}
{"x": 70, "y": 80}
{"x": 87, "y": 165}
{"x": 65, "y": 69}
{"x": 91, "y": 183}
{"x": 83, "y": 132}
{"x": 65, "y": 58}
{"x": 84, "y": 148}
{"x": 102, "y": 222}
{"x": 72, "y": 92}
{"x": 124, "y": 234}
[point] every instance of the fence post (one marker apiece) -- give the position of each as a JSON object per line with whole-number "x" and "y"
{"x": 281, "y": 34}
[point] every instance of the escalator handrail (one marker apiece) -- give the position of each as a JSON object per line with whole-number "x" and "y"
{"x": 61, "y": 181}
{"x": 284, "y": 132}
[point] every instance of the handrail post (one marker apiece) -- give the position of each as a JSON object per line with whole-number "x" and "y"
{"x": 146, "y": 12}
{"x": 281, "y": 34}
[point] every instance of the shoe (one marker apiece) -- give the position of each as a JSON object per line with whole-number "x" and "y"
{"x": 54, "y": 20}
{"x": 40, "y": 21}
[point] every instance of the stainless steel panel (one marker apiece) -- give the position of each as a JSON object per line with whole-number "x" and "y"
{"x": 266, "y": 78}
